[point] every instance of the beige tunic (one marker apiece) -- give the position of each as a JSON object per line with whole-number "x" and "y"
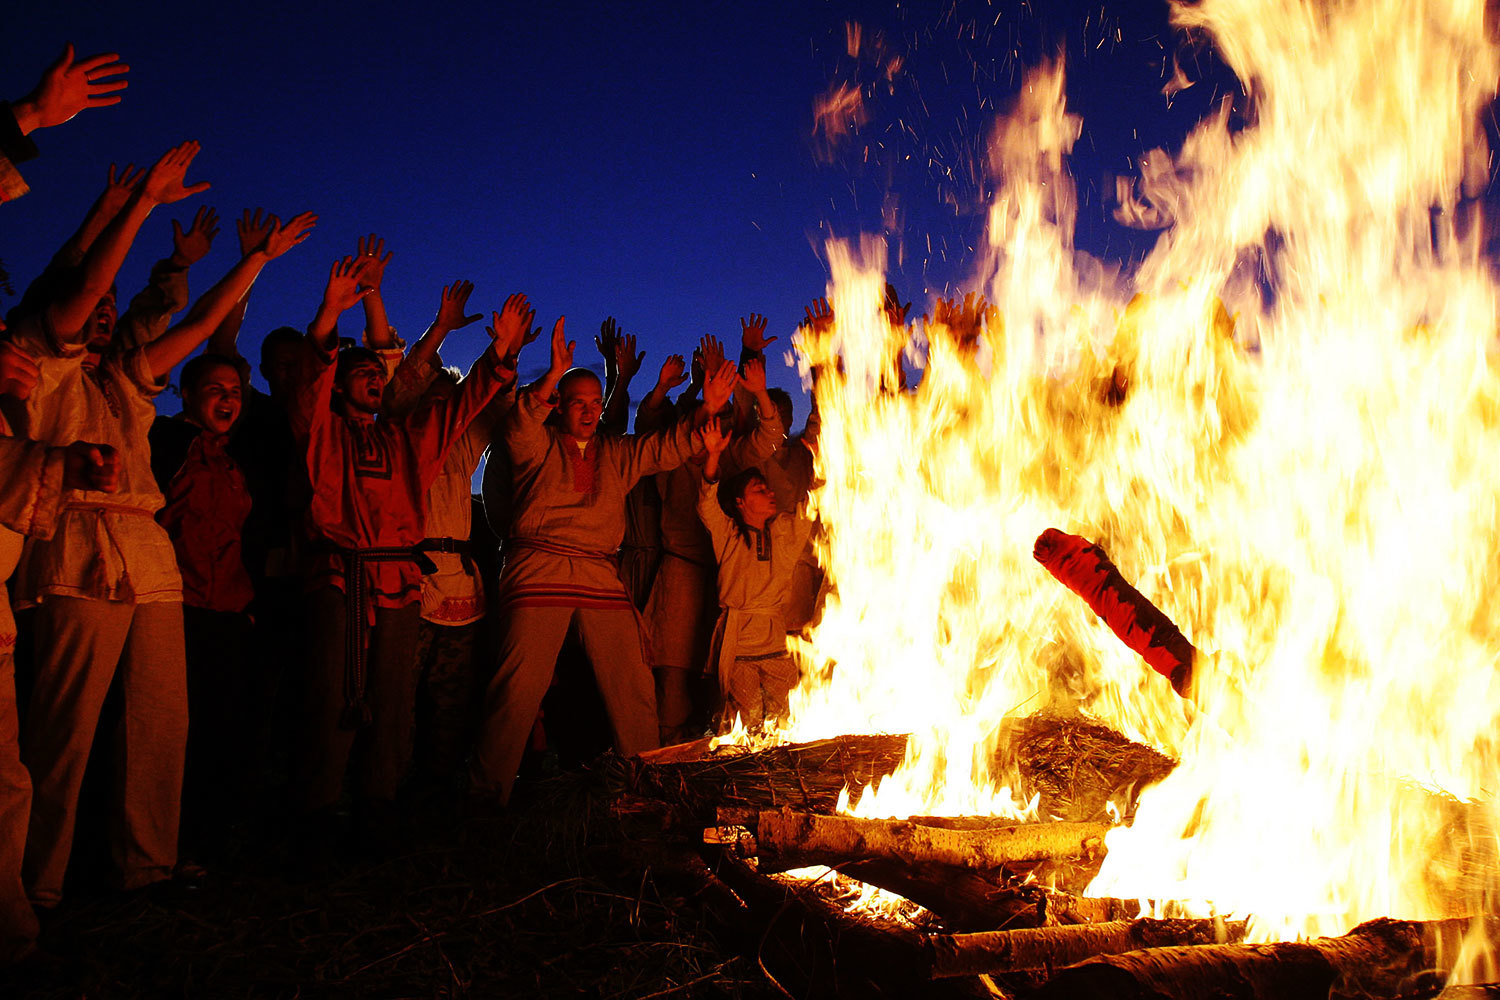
{"x": 568, "y": 506}
{"x": 106, "y": 546}
{"x": 753, "y": 579}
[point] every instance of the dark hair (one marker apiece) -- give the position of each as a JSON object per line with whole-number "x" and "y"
{"x": 350, "y": 357}
{"x": 282, "y": 336}
{"x": 783, "y": 401}
{"x": 197, "y": 369}
{"x": 732, "y": 490}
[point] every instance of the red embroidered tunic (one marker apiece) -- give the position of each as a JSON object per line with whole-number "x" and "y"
{"x": 370, "y": 477}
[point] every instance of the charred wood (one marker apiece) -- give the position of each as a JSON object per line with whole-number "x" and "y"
{"x": 1380, "y": 958}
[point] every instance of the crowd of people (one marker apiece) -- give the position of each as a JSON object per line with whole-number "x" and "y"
{"x": 295, "y": 589}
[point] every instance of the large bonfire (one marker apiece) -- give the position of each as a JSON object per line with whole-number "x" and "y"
{"x": 1283, "y": 426}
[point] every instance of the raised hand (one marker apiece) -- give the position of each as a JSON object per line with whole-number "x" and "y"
{"x": 562, "y": 351}
{"x": 715, "y": 438}
{"x": 18, "y": 372}
{"x": 673, "y": 373}
{"x": 607, "y": 343}
{"x": 627, "y": 362}
{"x": 509, "y": 326}
{"x": 720, "y": 386}
{"x": 895, "y": 312}
{"x": 117, "y": 190}
{"x": 192, "y": 246}
{"x": 451, "y": 315}
{"x": 753, "y": 375}
{"x": 753, "y": 333}
{"x": 379, "y": 257}
{"x": 68, "y": 87}
{"x": 164, "y": 182}
{"x": 819, "y": 316}
{"x": 253, "y": 230}
{"x": 535, "y": 334}
{"x": 343, "y": 289}
{"x": 281, "y": 238}
{"x": 712, "y": 350}
{"x": 89, "y": 466}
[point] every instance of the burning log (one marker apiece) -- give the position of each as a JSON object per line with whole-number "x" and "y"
{"x": 1380, "y": 958}
{"x": 787, "y": 839}
{"x": 1085, "y": 569}
{"x": 1052, "y": 947}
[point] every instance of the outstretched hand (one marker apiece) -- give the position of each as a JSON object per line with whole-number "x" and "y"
{"x": 753, "y": 333}
{"x": 753, "y": 375}
{"x": 712, "y": 350}
{"x": 374, "y": 249}
{"x": 720, "y": 386}
{"x": 117, "y": 190}
{"x": 343, "y": 289}
{"x": 164, "y": 183}
{"x": 819, "y": 316}
{"x": 607, "y": 343}
{"x": 895, "y": 311}
{"x": 451, "y": 315}
{"x": 562, "y": 350}
{"x": 715, "y": 438}
{"x": 192, "y": 245}
{"x": 68, "y": 87}
{"x": 253, "y": 230}
{"x": 673, "y": 373}
{"x": 508, "y": 327}
{"x": 279, "y": 239}
{"x": 627, "y": 362}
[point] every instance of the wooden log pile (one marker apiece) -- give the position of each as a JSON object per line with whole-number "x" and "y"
{"x": 990, "y": 907}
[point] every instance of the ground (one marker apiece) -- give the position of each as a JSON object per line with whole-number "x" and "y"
{"x": 540, "y": 902}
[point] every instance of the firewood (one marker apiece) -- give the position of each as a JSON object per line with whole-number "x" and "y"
{"x": 1052, "y": 947}
{"x": 1083, "y": 567}
{"x": 1380, "y": 958}
{"x": 788, "y": 839}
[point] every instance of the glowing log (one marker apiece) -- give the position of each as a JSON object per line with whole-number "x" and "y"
{"x": 1083, "y": 567}
{"x": 787, "y": 839}
{"x": 1379, "y": 958}
{"x": 1051, "y": 947}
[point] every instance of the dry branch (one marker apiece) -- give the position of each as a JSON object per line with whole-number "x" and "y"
{"x": 1381, "y": 958}
{"x": 788, "y": 839}
{"x": 1052, "y": 947}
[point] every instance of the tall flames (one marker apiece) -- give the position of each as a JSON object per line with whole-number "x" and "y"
{"x": 1283, "y": 425}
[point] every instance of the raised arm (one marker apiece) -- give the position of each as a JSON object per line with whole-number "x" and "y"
{"x": 622, "y": 361}
{"x": 756, "y": 446}
{"x": 655, "y": 410}
{"x": 372, "y": 253}
{"x": 252, "y": 231}
{"x": 166, "y": 290}
{"x": 69, "y": 86}
{"x": 715, "y": 441}
{"x": 450, "y": 317}
{"x": 164, "y": 353}
{"x": 339, "y": 296}
{"x": 163, "y": 185}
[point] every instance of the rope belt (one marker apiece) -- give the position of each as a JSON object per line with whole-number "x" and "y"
{"x": 356, "y": 714}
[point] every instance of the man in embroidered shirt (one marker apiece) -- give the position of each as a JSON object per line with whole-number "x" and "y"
{"x": 370, "y": 478}
{"x": 568, "y": 517}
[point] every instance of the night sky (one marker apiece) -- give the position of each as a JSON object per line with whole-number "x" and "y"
{"x": 656, "y": 166}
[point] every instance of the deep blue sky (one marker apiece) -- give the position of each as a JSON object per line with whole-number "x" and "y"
{"x": 624, "y": 160}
